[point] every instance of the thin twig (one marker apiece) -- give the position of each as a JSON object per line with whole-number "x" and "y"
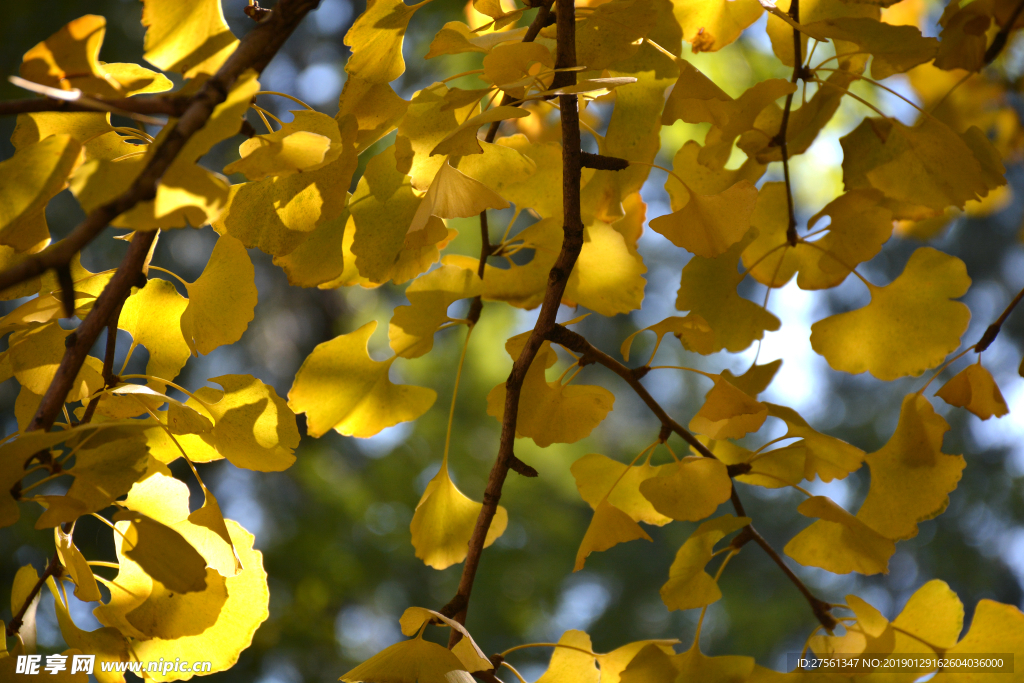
{"x": 780, "y": 139}
{"x": 110, "y": 380}
{"x": 999, "y": 42}
{"x": 591, "y": 354}
{"x": 174, "y": 105}
{"x": 572, "y": 243}
{"x": 993, "y": 329}
{"x": 254, "y": 52}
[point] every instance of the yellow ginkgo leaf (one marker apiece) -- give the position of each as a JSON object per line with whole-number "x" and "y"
{"x": 608, "y": 277}
{"x": 974, "y": 389}
{"x": 470, "y": 654}
{"x": 708, "y": 288}
{"x": 340, "y": 387}
{"x": 35, "y": 355}
{"x": 376, "y": 107}
{"x": 444, "y": 520}
{"x": 910, "y": 325}
{"x": 571, "y": 665}
{"x": 688, "y": 585}
{"x": 187, "y": 38}
{"x": 913, "y": 453}
{"x": 321, "y": 258}
{"x": 69, "y": 59}
{"x": 22, "y": 587}
{"x": 652, "y": 664}
{"x": 689, "y": 491}
{"x": 512, "y": 62}
{"x": 463, "y": 140}
{"x": 708, "y": 226}
{"x": 608, "y": 527}
{"x": 552, "y": 412}
{"x": 692, "y": 331}
{"x": 838, "y": 541}
{"x": 994, "y": 626}
{"x": 694, "y": 665}
{"x": 383, "y": 207}
{"x": 613, "y": 32}
{"x": 895, "y": 49}
{"x": 825, "y": 456}
{"x": 253, "y": 427}
{"x": 221, "y": 303}
{"x": 30, "y": 179}
{"x": 756, "y": 378}
{"x": 613, "y": 664}
{"x": 428, "y": 120}
{"x": 933, "y": 616}
{"x": 771, "y": 469}
{"x": 453, "y": 194}
{"x": 376, "y": 41}
{"x": 237, "y": 620}
{"x": 103, "y": 472}
{"x": 456, "y": 37}
{"x": 152, "y": 316}
{"x": 412, "y": 327}
{"x": 309, "y": 141}
{"x": 76, "y": 567}
{"x": 728, "y": 413}
{"x": 710, "y": 25}
{"x": 162, "y": 553}
{"x": 598, "y": 476}
{"x": 410, "y": 661}
{"x": 106, "y": 643}
{"x": 13, "y": 456}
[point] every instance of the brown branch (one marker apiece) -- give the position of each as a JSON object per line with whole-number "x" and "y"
{"x": 993, "y": 330}
{"x": 572, "y": 243}
{"x": 999, "y": 42}
{"x": 109, "y": 378}
{"x": 780, "y": 139}
{"x": 254, "y": 52}
{"x": 173, "y": 105}
{"x": 603, "y": 163}
{"x": 591, "y": 354}
{"x": 54, "y": 568}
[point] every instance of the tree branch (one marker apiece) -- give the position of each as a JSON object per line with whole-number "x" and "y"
{"x": 54, "y": 568}
{"x": 173, "y": 105}
{"x": 591, "y": 354}
{"x": 572, "y": 243}
{"x": 999, "y": 42}
{"x": 993, "y": 330}
{"x": 109, "y": 378}
{"x": 254, "y": 52}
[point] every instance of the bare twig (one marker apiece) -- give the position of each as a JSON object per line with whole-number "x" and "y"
{"x": 591, "y": 354}
{"x": 993, "y": 330}
{"x": 999, "y": 42}
{"x": 798, "y": 72}
{"x": 253, "y": 52}
{"x": 572, "y": 243}
{"x": 169, "y": 106}
{"x": 109, "y": 378}
{"x": 54, "y": 568}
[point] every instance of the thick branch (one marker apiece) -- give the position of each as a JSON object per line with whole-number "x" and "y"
{"x": 993, "y": 330}
{"x": 254, "y": 52}
{"x": 82, "y": 339}
{"x": 572, "y": 243}
{"x": 591, "y": 354}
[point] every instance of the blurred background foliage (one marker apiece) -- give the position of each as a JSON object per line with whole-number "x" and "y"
{"x": 334, "y": 529}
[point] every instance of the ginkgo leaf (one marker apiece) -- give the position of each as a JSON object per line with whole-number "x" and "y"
{"x": 728, "y": 413}
{"x": 572, "y": 665}
{"x": 30, "y": 178}
{"x": 598, "y": 476}
{"x": 456, "y": 37}
{"x": 412, "y": 327}
{"x": 76, "y": 567}
{"x": 708, "y": 226}
{"x": 994, "y": 626}
{"x": 162, "y": 553}
{"x": 552, "y": 412}
{"x": 910, "y": 325}
{"x": 692, "y": 331}
{"x": 376, "y": 107}
{"x": 410, "y": 661}
{"x": 383, "y": 208}
{"x": 427, "y": 121}
{"x": 221, "y": 303}
{"x": 825, "y": 456}
{"x": 773, "y": 469}
{"x": 933, "y": 616}
{"x": 612, "y": 32}
{"x": 237, "y": 620}
{"x": 463, "y": 140}
{"x": 913, "y": 453}
{"x": 13, "y": 456}
{"x": 710, "y": 25}
{"x": 756, "y": 378}
{"x": 35, "y": 355}
{"x": 608, "y": 527}
{"x": 107, "y": 644}
{"x": 688, "y": 585}
{"x": 708, "y": 288}
{"x": 152, "y": 316}
{"x": 340, "y": 387}
{"x": 453, "y": 194}
{"x": 689, "y": 491}
{"x": 512, "y": 62}
{"x": 468, "y": 652}
{"x": 188, "y": 38}
{"x": 321, "y": 257}
{"x": 614, "y": 664}
{"x": 974, "y": 388}
{"x": 309, "y": 141}
{"x": 376, "y": 41}
{"x": 838, "y": 541}
{"x": 652, "y": 664}
{"x": 694, "y": 665}
{"x": 608, "y": 277}
{"x": 254, "y": 428}
{"x": 895, "y": 49}
{"x": 444, "y": 521}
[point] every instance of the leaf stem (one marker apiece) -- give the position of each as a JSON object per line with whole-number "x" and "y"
{"x": 455, "y": 393}
{"x": 286, "y": 95}
{"x": 681, "y": 367}
{"x": 509, "y": 651}
{"x": 993, "y": 330}
{"x": 945, "y": 365}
